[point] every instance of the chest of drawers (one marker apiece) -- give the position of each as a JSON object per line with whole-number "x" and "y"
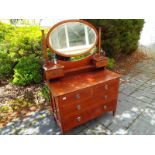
{"x": 77, "y": 99}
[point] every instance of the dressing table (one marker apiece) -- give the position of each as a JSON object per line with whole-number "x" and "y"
{"x": 81, "y": 88}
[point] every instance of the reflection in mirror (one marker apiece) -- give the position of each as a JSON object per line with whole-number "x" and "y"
{"x": 76, "y": 34}
{"x": 72, "y": 38}
{"x": 76, "y": 58}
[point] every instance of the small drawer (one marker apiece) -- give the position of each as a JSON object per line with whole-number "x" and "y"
{"x": 76, "y": 96}
{"x": 52, "y": 72}
{"x": 101, "y": 63}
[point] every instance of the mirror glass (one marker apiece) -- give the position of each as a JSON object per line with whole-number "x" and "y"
{"x": 72, "y": 38}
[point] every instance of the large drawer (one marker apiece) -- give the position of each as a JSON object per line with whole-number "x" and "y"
{"x": 76, "y": 96}
{"x": 102, "y": 108}
{"x": 77, "y": 107}
{"x": 91, "y": 113}
{"x": 104, "y": 97}
{"x": 107, "y": 88}
{"x": 75, "y": 120}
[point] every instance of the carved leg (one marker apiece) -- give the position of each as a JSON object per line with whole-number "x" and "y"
{"x": 55, "y": 118}
{"x": 63, "y": 132}
{"x": 114, "y": 112}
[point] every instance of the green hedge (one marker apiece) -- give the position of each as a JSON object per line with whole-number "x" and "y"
{"x": 6, "y": 65}
{"x": 119, "y": 36}
{"x": 23, "y": 41}
{"x": 4, "y": 30}
{"x": 27, "y": 71}
{"x": 20, "y": 45}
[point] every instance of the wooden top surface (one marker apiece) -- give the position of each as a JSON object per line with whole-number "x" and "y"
{"x": 72, "y": 83}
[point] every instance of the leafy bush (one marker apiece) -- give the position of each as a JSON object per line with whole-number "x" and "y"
{"x": 18, "y": 42}
{"x": 4, "y": 30}
{"x": 5, "y": 65}
{"x": 23, "y": 41}
{"x": 27, "y": 71}
{"x": 46, "y": 93}
{"x": 119, "y": 36}
{"x": 111, "y": 63}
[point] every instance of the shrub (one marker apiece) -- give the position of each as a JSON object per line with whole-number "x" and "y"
{"x": 18, "y": 42}
{"x": 111, "y": 63}
{"x": 23, "y": 41}
{"x": 6, "y": 64}
{"x": 27, "y": 71}
{"x": 119, "y": 36}
{"x": 4, "y": 30}
{"x": 46, "y": 93}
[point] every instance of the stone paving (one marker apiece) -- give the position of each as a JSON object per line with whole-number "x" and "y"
{"x": 135, "y": 112}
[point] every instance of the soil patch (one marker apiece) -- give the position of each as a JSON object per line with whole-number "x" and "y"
{"x": 125, "y": 63}
{"x": 19, "y": 101}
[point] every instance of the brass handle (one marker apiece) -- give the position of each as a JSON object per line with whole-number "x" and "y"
{"x": 78, "y": 107}
{"x": 77, "y": 96}
{"x": 64, "y": 98}
{"x": 105, "y": 107}
{"x": 78, "y": 119}
{"x": 106, "y": 87}
{"x": 105, "y": 97}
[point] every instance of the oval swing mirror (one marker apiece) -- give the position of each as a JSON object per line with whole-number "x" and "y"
{"x": 72, "y": 38}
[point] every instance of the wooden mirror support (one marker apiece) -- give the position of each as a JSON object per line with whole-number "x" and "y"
{"x": 80, "y": 90}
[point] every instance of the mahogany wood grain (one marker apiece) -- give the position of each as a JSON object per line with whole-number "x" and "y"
{"x": 54, "y": 71}
{"x": 68, "y": 84}
{"x": 99, "y": 41}
{"x": 44, "y": 47}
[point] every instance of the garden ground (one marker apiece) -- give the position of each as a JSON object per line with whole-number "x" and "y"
{"x": 135, "y": 111}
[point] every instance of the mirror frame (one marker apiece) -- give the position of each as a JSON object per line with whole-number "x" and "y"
{"x": 67, "y": 21}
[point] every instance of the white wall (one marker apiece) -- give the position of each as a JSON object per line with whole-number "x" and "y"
{"x": 49, "y": 22}
{"x": 148, "y": 33}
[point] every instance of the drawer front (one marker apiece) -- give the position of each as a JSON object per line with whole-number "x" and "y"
{"x": 101, "y": 63}
{"x": 107, "y": 91}
{"x": 51, "y": 74}
{"x": 107, "y": 86}
{"x": 76, "y": 107}
{"x": 100, "y": 109}
{"x": 78, "y": 119}
{"x": 76, "y": 96}
{"x": 105, "y": 97}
